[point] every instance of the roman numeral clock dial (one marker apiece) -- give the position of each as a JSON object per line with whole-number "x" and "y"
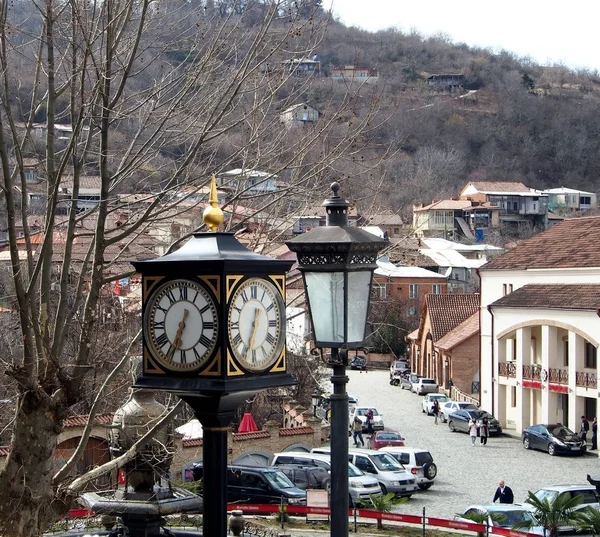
{"x": 255, "y": 324}
{"x": 181, "y": 325}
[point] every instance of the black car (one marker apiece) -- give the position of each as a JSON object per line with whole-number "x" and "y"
{"x": 307, "y": 477}
{"x": 358, "y": 362}
{"x": 553, "y": 438}
{"x": 459, "y": 421}
{"x": 250, "y": 484}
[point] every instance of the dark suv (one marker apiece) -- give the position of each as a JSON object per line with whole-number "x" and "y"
{"x": 307, "y": 477}
{"x": 257, "y": 485}
{"x": 358, "y": 362}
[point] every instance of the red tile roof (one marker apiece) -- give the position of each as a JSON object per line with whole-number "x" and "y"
{"x": 446, "y": 312}
{"x": 81, "y": 421}
{"x": 468, "y": 328}
{"x": 292, "y": 431}
{"x": 548, "y": 296}
{"x": 193, "y": 442}
{"x": 253, "y": 435}
{"x": 499, "y": 186}
{"x": 573, "y": 243}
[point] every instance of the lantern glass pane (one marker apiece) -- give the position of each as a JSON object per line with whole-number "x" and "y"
{"x": 326, "y": 298}
{"x": 359, "y": 289}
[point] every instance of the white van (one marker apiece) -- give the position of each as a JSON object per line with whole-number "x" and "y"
{"x": 360, "y": 486}
{"x": 390, "y": 474}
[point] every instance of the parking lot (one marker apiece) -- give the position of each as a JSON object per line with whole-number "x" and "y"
{"x": 466, "y": 475}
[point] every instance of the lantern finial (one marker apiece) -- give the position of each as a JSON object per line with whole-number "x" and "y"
{"x": 213, "y": 215}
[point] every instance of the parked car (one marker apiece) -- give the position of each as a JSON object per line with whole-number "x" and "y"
{"x": 381, "y": 439}
{"x": 425, "y": 385}
{"x": 398, "y": 367}
{"x": 307, "y": 477}
{"x": 407, "y": 380}
{"x": 428, "y": 400}
{"x": 450, "y": 406}
{"x": 550, "y": 493}
{"x": 360, "y": 486}
{"x": 257, "y": 485}
{"x": 459, "y": 421}
{"x": 553, "y": 438}
{"x": 418, "y": 462}
{"x": 361, "y": 412}
{"x": 358, "y": 362}
{"x": 514, "y": 515}
{"x": 390, "y": 474}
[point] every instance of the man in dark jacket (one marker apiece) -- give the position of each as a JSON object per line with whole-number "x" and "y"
{"x": 504, "y": 493}
{"x": 585, "y": 427}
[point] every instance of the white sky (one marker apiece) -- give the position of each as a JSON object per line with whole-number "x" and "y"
{"x": 549, "y": 31}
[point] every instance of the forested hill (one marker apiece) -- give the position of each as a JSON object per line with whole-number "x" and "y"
{"x": 525, "y": 122}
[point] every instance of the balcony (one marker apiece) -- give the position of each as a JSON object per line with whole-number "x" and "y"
{"x": 532, "y": 372}
{"x": 558, "y": 376}
{"x": 586, "y": 380}
{"x": 507, "y": 369}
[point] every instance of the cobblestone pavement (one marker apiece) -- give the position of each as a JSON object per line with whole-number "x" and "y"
{"x": 466, "y": 475}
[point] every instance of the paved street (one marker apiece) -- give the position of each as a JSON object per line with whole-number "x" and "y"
{"x": 466, "y": 475}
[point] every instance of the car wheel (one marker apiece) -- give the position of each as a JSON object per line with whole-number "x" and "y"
{"x": 526, "y": 443}
{"x": 451, "y": 426}
{"x": 326, "y": 485}
{"x": 430, "y": 470}
{"x": 383, "y": 489}
{"x": 551, "y": 449}
{"x": 396, "y": 382}
{"x": 425, "y": 486}
{"x": 444, "y": 418}
{"x": 424, "y": 411}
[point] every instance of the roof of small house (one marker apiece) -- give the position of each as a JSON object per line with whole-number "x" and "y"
{"x": 552, "y": 296}
{"x": 446, "y": 312}
{"x": 572, "y": 243}
{"x": 489, "y": 187}
{"x": 445, "y": 205}
{"x": 565, "y": 190}
{"x": 468, "y": 328}
{"x": 298, "y": 106}
{"x": 385, "y": 268}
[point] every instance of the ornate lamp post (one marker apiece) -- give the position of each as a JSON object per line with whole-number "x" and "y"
{"x": 337, "y": 263}
{"x": 315, "y": 398}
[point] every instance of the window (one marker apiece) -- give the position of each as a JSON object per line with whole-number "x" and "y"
{"x": 507, "y": 288}
{"x": 585, "y": 200}
{"x": 412, "y": 311}
{"x": 513, "y": 396}
{"x": 413, "y": 291}
{"x": 436, "y": 289}
{"x": 379, "y": 291}
{"x": 590, "y": 355}
{"x": 566, "y": 351}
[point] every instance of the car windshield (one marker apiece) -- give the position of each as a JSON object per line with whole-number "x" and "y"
{"x": 353, "y": 471}
{"x": 388, "y": 436}
{"x": 363, "y": 411}
{"x": 545, "y": 494}
{"x": 279, "y": 480}
{"x": 386, "y": 462}
{"x": 560, "y": 431}
{"x": 513, "y": 517}
{"x": 439, "y": 397}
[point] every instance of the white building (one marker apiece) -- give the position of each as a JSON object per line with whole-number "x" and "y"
{"x": 564, "y": 200}
{"x": 540, "y": 328}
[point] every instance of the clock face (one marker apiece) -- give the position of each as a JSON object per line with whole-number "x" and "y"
{"x": 256, "y": 330}
{"x": 181, "y": 324}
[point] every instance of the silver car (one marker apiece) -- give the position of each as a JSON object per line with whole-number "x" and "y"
{"x": 425, "y": 385}
{"x": 418, "y": 462}
{"x": 513, "y": 515}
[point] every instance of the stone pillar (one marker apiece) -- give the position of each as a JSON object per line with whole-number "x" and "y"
{"x": 523, "y": 347}
{"x": 549, "y": 360}
{"x": 576, "y": 361}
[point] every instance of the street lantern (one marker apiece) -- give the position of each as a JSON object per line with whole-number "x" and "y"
{"x": 337, "y": 263}
{"x": 315, "y": 398}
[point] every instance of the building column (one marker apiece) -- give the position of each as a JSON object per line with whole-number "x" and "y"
{"x": 576, "y": 360}
{"x": 500, "y": 391}
{"x": 523, "y": 347}
{"x": 549, "y": 359}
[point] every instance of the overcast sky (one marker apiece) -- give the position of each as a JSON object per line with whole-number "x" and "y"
{"x": 549, "y": 31}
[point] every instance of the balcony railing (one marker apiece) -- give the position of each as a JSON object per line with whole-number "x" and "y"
{"x": 507, "y": 369}
{"x": 586, "y": 380}
{"x": 532, "y": 372}
{"x": 558, "y": 376}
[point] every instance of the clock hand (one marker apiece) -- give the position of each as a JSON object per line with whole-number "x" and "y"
{"x": 254, "y": 328}
{"x": 177, "y": 340}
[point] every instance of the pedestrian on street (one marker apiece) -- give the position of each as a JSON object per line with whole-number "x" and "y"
{"x": 585, "y": 427}
{"x": 436, "y": 411}
{"x": 473, "y": 431}
{"x": 357, "y": 431}
{"x": 595, "y": 433}
{"x": 484, "y": 431}
{"x": 369, "y": 416}
{"x": 503, "y": 493}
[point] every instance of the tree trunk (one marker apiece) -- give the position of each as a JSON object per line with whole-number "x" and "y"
{"x": 27, "y": 498}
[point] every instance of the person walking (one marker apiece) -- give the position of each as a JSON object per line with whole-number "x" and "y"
{"x": 503, "y": 493}
{"x": 595, "y": 433}
{"x": 369, "y": 416}
{"x": 484, "y": 430}
{"x": 585, "y": 427}
{"x": 473, "y": 431}
{"x": 357, "y": 431}
{"x": 436, "y": 411}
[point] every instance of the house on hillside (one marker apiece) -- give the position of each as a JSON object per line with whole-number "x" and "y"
{"x": 389, "y": 222}
{"x": 446, "y": 344}
{"x": 315, "y": 217}
{"x": 299, "y": 115}
{"x": 250, "y": 181}
{"x": 446, "y": 82}
{"x": 564, "y": 201}
{"x": 406, "y": 285}
{"x": 517, "y": 203}
{"x": 303, "y": 66}
{"x": 351, "y": 73}
{"x": 540, "y": 326}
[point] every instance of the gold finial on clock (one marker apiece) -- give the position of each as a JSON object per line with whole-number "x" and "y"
{"x": 213, "y": 215}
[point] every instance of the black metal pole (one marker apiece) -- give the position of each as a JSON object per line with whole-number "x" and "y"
{"x": 339, "y": 447}
{"x": 214, "y": 462}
